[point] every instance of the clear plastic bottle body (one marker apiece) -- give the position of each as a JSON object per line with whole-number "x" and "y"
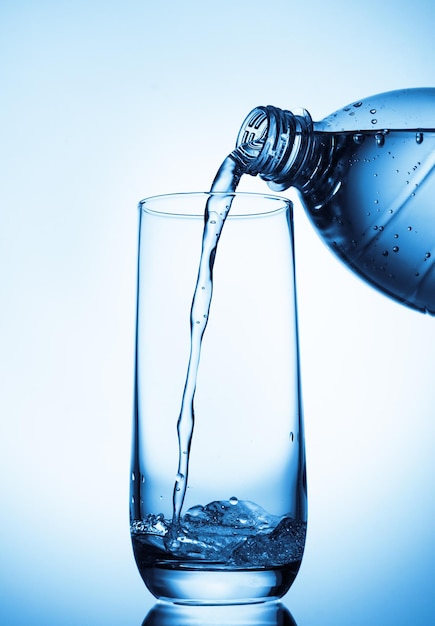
{"x": 366, "y": 178}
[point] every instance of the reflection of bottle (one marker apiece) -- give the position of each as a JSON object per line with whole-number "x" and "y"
{"x": 366, "y": 178}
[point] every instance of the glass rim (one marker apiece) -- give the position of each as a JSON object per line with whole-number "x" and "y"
{"x": 198, "y": 211}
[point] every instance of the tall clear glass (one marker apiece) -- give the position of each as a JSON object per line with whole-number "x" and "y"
{"x": 240, "y": 533}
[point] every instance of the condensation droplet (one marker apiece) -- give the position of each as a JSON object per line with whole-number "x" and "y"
{"x": 419, "y": 137}
{"x": 374, "y": 121}
{"x": 375, "y": 228}
{"x": 396, "y": 236}
{"x": 212, "y": 221}
{"x": 381, "y": 228}
{"x": 358, "y": 138}
{"x": 385, "y": 253}
{"x": 427, "y": 255}
{"x": 409, "y": 227}
{"x": 233, "y": 500}
{"x": 292, "y": 437}
{"x": 396, "y": 249}
{"x": 372, "y": 111}
{"x": 357, "y": 104}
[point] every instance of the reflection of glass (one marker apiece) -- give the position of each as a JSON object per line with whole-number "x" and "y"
{"x": 266, "y": 614}
{"x": 241, "y": 532}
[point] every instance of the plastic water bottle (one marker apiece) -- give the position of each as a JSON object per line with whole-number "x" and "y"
{"x": 366, "y": 177}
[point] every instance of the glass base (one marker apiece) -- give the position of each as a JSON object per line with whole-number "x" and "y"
{"x": 187, "y": 584}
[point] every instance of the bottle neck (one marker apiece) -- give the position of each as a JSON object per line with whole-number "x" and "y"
{"x": 275, "y": 144}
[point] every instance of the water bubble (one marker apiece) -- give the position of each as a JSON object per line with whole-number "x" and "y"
{"x": 372, "y": 111}
{"x": 374, "y": 121}
{"x": 419, "y": 137}
{"x": 409, "y": 227}
{"x": 358, "y": 138}
{"x": 391, "y": 211}
{"x": 375, "y": 228}
{"x": 417, "y": 273}
{"x": 233, "y": 500}
{"x": 203, "y": 288}
{"x": 380, "y": 139}
{"x": 381, "y": 228}
{"x": 357, "y": 104}
{"x": 212, "y": 221}
{"x": 376, "y": 201}
{"x": 427, "y": 255}
{"x": 396, "y": 236}
{"x": 396, "y": 249}
{"x": 385, "y": 253}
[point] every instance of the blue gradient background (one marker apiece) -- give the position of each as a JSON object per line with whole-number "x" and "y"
{"x": 103, "y": 103}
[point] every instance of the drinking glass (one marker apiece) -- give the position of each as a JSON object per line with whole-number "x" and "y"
{"x": 238, "y": 533}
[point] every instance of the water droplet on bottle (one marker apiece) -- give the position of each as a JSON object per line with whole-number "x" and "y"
{"x": 396, "y": 249}
{"x": 380, "y": 139}
{"x": 372, "y": 111}
{"x": 391, "y": 211}
{"x": 376, "y": 201}
{"x": 233, "y": 500}
{"x": 375, "y": 228}
{"x": 133, "y": 477}
{"x": 385, "y": 253}
{"x": 357, "y": 104}
{"x": 381, "y": 228}
{"x": 417, "y": 273}
{"x": 374, "y": 121}
{"x": 142, "y": 480}
{"x": 409, "y": 227}
{"x": 291, "y": 436}
{"x": 358, "y": 138}
{"x": 419, "y": 137}
{"x": 396, "y": 236}
{"x": 203, "y": 288}
{"x": 212, "y": 221}
{"x": 427, "y": 255}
